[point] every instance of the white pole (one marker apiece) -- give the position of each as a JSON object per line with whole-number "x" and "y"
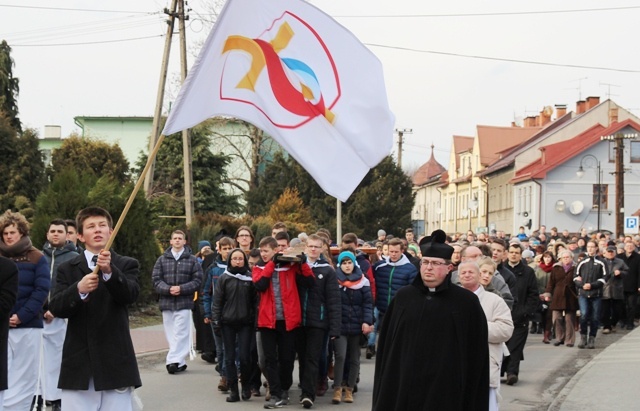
{"x": 338, "y": 221}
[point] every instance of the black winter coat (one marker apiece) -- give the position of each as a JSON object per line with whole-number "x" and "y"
{"x": 527, "y": 295}
{"x": 632, "y": 280}
{"x": 321, "y": 304}
{"x": 98, "y": 342}
{"x": 8, "y": 294}
{"x": 234, "y": 300}
{"x": 432, "y": 351}
{"x": 357, "y": 304}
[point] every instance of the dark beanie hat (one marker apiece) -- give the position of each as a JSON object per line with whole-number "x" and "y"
{"x": 437, "y": 247}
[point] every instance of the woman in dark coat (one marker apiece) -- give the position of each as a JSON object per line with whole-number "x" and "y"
{"x": 8, "y": 292}
{"x": 563, "y": 298}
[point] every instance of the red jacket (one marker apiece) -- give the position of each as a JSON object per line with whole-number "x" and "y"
{"x": 291, "y": 276}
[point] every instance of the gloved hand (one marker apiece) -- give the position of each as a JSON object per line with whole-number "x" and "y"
{"x": 303, "y": 258}
{"x": 276, "y": 256}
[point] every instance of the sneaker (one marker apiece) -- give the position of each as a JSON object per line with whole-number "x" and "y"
{"x": 285, "y": 398}
{"x": 606, "y": 331}
{"x": 273, "y": 403}
{"x": 306, "y": 402}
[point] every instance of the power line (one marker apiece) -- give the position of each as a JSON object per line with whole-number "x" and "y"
{"x": 506, "y": 13}
{"x": 540, "y": 63}
{"x": 89, "y": 42}
{"x": 72, "y": 9}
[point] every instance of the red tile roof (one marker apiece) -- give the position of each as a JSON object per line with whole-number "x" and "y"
{"x": 493, "y": 140}
{"x": 553, "y": 155}
{"x": 427, "y": 171}
{"x": 460, "y": 145}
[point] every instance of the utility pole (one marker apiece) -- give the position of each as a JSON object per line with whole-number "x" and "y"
{"x": 157, "y": 114}
{"x": 186, "y": 134}
{"x": 177, "y": 10}
{"x": 401, "y": 133}
{"x": 619, "y": 173}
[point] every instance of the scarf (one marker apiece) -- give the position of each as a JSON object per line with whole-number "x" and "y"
{"x": 546, "y": 267}
{"x": 355, "y": 280}
{"x": 239, "y": 272}
{"x": 18, "y": 249}
{"x": 567, "y": 267}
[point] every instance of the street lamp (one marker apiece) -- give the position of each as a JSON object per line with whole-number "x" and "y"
{"x": 580, "y": 173}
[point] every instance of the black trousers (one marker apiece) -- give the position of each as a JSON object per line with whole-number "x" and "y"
{"x": 279, "y": 353}
{"x": 511, "y": 364}
{"x": 255, "y": 379}
{"x": 631, "y": 300}
{"x": 242, "y": 334}
{"x": 309, "y": 345}
{"x": 612, "y": 312}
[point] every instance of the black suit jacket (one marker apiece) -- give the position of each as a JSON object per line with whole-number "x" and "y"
{"x": 98, "y": 343}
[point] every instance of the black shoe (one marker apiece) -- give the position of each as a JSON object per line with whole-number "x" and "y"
{"x": 629, "y": 327}
{"x": 209, "y": 357}
{"x": 181, "y": 368}
{"x": 56, "y": 405}
{"x": 371, "y": 351}
{"x": 172, "y": 368}
{"x": 558, "y": 343}
{"x": 307, "y": 402}
{"x": 512, "y": 379}
{"x": 246, "y": 394}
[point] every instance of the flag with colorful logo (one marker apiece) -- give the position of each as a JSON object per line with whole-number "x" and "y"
{"x": 293, "y": 71}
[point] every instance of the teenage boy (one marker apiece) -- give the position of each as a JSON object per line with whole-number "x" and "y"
{"x": 176, "y": 276}
{"x": 279, "y": 314}
{"x": 57, "y": 249}
{"x": 99, "y": 369}
{"x": 215, "y": 270}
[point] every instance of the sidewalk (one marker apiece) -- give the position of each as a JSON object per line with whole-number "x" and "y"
{"x": 149, "y": 340}
{"x": 609, "y": 381}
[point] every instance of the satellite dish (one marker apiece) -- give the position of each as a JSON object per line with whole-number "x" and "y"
{"x": 576, "y": 207}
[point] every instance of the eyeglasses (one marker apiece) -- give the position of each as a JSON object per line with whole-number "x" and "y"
{"x": 433, "y": 263}
{"x": 237, "y": 259}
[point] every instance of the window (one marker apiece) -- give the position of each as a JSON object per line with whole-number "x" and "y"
{"x": 635, "y": 152}
{"x": 612, "y": 153}
{"x": 604, "y": 196}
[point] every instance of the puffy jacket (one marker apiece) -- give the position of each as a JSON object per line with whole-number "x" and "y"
{"x": 214, "y": 272}
{"x": 186, "y": 272}
{"x": 390, "y": 277}
{"x": 290, "y": 275}
{"x": 593, "y": 271}
{"x": 234, "y": 300}
{"x": 33, "y": 287}
{"x": 357, "y": 306}
{"x": 321, "y": 304}
{"x": 614, "y": 288}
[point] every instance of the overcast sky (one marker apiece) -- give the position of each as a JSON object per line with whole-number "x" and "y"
{"x": 436, "y": 82}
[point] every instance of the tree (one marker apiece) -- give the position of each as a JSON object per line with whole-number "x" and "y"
{"x": 209, "y": 176}
{"x": 384, "y": 199}
{"x": 290, "y": 209}
{"x": 9, "y": 87}
{"x": 28, "y": 171}
{"x": 90, "y": 156}
{"x": 8, "y": 152}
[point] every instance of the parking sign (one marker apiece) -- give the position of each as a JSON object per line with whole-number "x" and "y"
{"x": 631, "y": 224}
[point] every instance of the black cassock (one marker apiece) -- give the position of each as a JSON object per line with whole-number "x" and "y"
{"x": 433, "y": 351}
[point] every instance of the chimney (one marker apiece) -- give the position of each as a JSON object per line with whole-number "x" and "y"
{"x": 592, "y": 102}
{"x": 613, "y": 115}
{"x": 545, "y": 116}
{"x": 561, "y": 110}
{"x": 580, "y": 105}
{"x": 529, "y": 121}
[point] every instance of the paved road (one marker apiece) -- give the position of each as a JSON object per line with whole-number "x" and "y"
{"x": 543, "y": 381}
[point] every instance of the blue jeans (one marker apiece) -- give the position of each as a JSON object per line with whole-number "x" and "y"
{"x": 220, "y": 353}
{"x": 589, "y": 315}
{"x": 371, "y": 340}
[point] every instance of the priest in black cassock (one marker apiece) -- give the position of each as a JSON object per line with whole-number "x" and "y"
{"x": 433, "y": 352}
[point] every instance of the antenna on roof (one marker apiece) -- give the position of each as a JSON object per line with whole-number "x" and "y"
{"x": 579, "y": 88}
{"x": 609, "y": 85}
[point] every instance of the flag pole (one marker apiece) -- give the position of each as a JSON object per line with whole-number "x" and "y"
{"x": 338, "y": 221}
{"x": 136, "y": 188}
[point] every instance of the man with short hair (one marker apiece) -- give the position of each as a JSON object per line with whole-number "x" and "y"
{"x": 282, "y": 238}
{"x": 631, "y": 282}
{"x": 472, "y": 253}
{"x": 72, "y": 235}
{"x": 390, "y": 275}
{"x": 321, "y": 320}
{"x": 590, "y": 277}
{"x": 410, "y": 237}
{"x": 99, "y": 369}
{"x": 450, "y": 343}
{"x": 57, "y": 250}
{"x": 382, "y": 235}
{"x": 278, "y": 228}
{"x": 527, "y": 300}
{"x": 176, "y": 276}
{"x": 613, "y": 291}
{"x": 499, "y": 256}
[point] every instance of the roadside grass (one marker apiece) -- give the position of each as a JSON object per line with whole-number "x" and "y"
{"x": 145, "y": 316}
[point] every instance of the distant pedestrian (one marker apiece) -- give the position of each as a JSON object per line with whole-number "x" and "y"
{"x": 590, "y": 278}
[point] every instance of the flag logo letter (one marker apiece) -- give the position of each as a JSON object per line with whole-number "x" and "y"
{"x": 301, "y": 92}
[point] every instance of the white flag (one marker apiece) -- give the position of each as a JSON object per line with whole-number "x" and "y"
{"x": 293, "y": 71}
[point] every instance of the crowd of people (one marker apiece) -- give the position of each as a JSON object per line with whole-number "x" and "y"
{"x": 461, "y": 305}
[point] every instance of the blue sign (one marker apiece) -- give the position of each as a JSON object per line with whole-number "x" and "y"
{"x": 631, "y": 223}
